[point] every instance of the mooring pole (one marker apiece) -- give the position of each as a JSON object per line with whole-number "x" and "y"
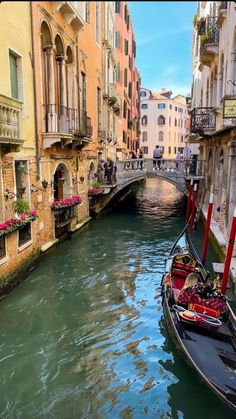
{"x": 190, "y": 190}
{"x": 229, "y": 254}
{"x": 207, "y": 228}
{"x": 193, "y": 210}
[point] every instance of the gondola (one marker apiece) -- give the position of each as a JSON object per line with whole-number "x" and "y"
{"x": 202, "y": 326}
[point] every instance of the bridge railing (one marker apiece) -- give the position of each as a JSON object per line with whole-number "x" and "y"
{"x": 165, "y": 166}
{"x": 131, "y": 166}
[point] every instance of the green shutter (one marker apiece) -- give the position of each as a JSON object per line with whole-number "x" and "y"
{"x": 13, "y": 74}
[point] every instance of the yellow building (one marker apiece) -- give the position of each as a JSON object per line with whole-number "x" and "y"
{"x": 17, "y": 138}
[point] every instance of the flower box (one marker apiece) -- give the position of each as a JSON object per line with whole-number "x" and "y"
{"x": 9, "y": 226}
{"x": 66, "y": 203}
{"x": 94, "y": 192}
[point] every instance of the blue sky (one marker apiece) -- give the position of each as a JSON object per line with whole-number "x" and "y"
{"x": 163, "y": 32}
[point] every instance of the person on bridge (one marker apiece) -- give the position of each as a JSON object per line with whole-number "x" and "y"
{"x": 109, "y": 167}
{"x": 157, "y": 155}
{"x": 133, "y": 156}
{"x": 140, "y": 156}
{"x": 178, "y": 157}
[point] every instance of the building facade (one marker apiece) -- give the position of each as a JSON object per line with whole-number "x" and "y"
{"x": 213, "y": 115}
{"x": 163, "y": 122}
{"x": 128, "y": 82}
{"x": 18, "y": 170}
{"x": 60, "y": 113}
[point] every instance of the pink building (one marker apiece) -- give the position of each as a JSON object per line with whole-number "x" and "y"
{"x": 128, "y": 82}
{"x": 164, "y": 122}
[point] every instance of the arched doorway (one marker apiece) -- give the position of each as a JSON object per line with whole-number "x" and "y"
{"x": 61, "y": 183}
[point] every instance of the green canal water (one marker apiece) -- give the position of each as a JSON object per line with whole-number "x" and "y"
{"x": 83, "y": 336}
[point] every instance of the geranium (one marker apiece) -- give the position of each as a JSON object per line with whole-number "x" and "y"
{"x": 14, "y": 224}
{"x": 94, "y": 191}
{"x": 65, "y": 203}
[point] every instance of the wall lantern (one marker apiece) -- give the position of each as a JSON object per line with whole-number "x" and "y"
{"x": 44, "y": 183}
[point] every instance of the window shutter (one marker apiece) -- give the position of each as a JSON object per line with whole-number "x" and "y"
{"x": 13, "y": 75}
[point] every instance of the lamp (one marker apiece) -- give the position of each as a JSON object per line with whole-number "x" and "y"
{"x": 8, "y": 194}
{"x": 44, "y": 183}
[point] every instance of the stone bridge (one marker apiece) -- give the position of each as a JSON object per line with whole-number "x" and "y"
{"x": 135, "y": 170}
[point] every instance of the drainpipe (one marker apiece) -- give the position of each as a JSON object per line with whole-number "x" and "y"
{"x": 35, "y": 100}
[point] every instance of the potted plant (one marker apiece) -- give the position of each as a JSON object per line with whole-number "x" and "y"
{"x": 21, "y": 206}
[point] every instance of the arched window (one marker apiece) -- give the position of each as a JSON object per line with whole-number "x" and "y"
{"x": 161, "y": 120}
{"x": 161, "y": 136}
{"x": 144, "y": 120}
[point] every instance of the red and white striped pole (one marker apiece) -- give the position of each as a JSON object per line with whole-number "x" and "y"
{"x": 193, "y": 210}
{"x": 190, "y": 190}
{"x": 207, "y": 227}
{"x": 229, "y": 254}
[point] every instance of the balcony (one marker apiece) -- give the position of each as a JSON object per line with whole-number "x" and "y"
{"x": 108, "y": 40}
{"x": 203, "y": 120}
{"x": 65, "y": 125}
{"x": 64, "y": 216}
{"x": 101, "y": 134}
{"x": 10, "y": 124}
{"x": 112, "y": 97}
{"x": 208, "y": 31}
{"x": 73, "y": 13}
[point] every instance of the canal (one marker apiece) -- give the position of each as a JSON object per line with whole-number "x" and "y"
{"x": 83, "y": 336}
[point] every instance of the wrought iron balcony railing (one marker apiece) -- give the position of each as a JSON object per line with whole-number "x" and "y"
{"x": 203, "y": 119}
{"x": 64, "y": 120}
{"x": 208, "y": 31}
{"x": 64, "y": 216}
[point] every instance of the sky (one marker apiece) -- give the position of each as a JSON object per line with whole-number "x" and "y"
{"x": 163, "y": 32}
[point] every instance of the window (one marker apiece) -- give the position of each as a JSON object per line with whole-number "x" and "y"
{"x": 175, "y": 150}
{"x": 145, "y": 136}
{"x": 118, "y": 72}
{"x": 24, "y": 234}
{"x": 126, "y": 46}
{"x": 126, "y": 14}
{"x": 125, "y": 109}
{"x": 87, "y": 12}
{"x": 161, "y": 105}
{"x": 124, "y": 137}
{"x": 169, "y": 120}
{"x": 117, "y": 6}
{"x": 125, "y": 77}
{"x": 169, "y": 150}
{"x": 97, "y": 22}
{"x": 144, "y": 150}
{"x": 14, "y": 76}
{"x": 21, "y": 179}
{"x": 161, "y": 120}
{"x": 170, "y": 106}
{"x": 161, "y": 136}
{"x": 144, "y": 120}
{"x": 2, "y": 247}
{"x": 175, "y": 122}
{"x": 117, "y": 41}
{"x": 142, "y": 94}
{"x": 130, "y": 90}
{"x": 99, "y": 110}
{"x": 176, "y": 108}
{"x": 84, "y": 95}
{"x": 144, "y": 106}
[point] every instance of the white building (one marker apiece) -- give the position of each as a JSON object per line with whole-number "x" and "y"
{"x": 164, "y": 122}
{"x": 213, "y": 114}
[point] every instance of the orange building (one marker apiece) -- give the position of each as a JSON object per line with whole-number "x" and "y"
{"x": 128, "y": 82}
{"x": 68, "y": 86}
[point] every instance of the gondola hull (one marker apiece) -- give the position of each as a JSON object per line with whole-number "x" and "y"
{"x": 210, "y": 350}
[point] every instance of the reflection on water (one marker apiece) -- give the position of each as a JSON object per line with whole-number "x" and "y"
{"x": 83, "y": 336}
